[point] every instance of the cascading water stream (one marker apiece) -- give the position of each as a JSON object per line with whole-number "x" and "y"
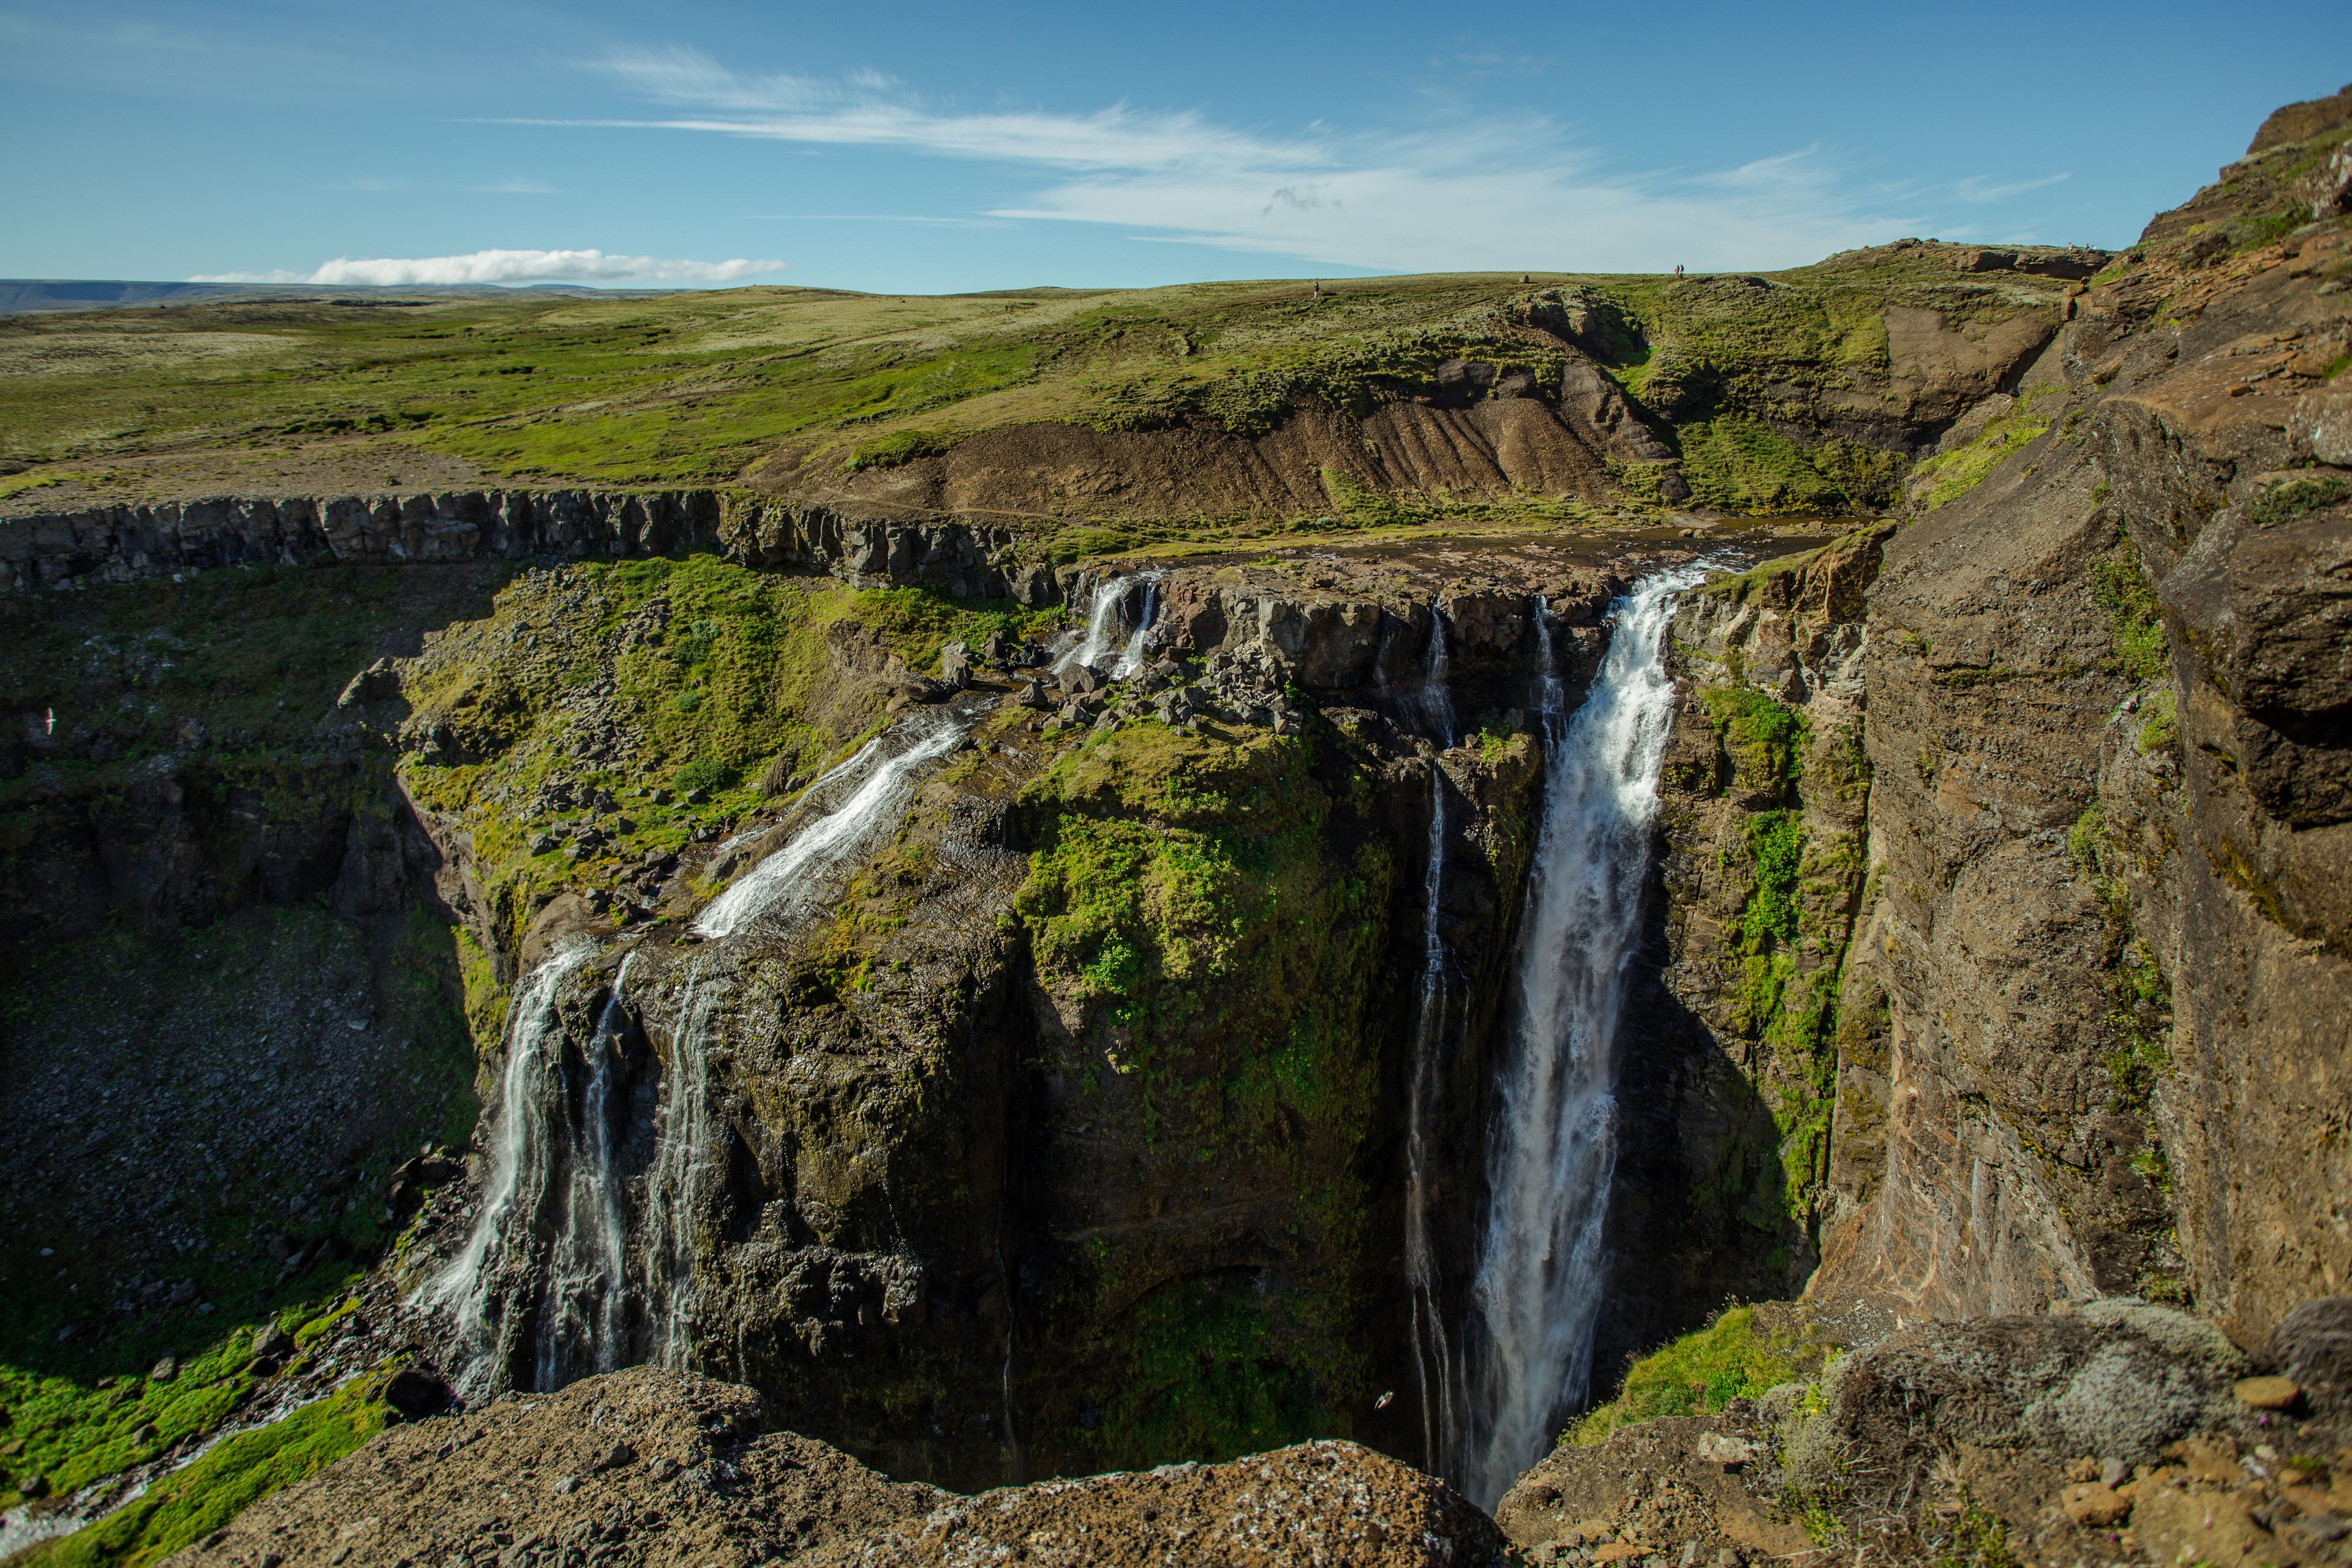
{"x": 1132, "y": 659}
{"x": 523, "y": 1150}
{"x": 770, "y": 887}
{"x": 1102, "y": 614}
{"x": 556, "y": 1205}
{"x": 1105, "y": 618}
{"x": 581, "y": 1309}
{"x": 1537, "y": 1293}
{"x": 1433, "y": 1360}
{"x": 674, "y": 1185}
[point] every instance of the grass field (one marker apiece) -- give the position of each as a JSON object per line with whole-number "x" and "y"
{"x": 702, "y": 387}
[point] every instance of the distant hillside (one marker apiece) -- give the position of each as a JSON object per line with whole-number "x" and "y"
{"x": 41, "y": 296}
{"x": 1812, "y": 390}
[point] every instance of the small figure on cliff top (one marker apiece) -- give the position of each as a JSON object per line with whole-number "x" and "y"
{"x": 1679, "y": 269}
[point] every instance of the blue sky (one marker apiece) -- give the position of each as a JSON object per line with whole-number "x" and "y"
{"x": 933, "y": 148}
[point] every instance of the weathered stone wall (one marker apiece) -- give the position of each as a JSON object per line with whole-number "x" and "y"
{"x": 126, "y": 544}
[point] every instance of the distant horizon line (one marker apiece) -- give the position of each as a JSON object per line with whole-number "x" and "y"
{"x": 1330, "y": 281}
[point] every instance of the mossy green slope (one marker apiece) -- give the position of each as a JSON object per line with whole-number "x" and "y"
{"x": 1207, "y": 917}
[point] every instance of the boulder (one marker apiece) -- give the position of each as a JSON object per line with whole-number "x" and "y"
{"x": 2313, "y": 1345}
{"x": 416, "y": 1391}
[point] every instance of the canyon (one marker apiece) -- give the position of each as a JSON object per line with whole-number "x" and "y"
{"x": 1273, "y": 959}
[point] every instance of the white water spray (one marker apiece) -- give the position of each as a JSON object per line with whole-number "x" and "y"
{"x": 770, "y": 887}
{"x": 681, "y": 1157}
{"x": 1537, "y": 1293}
{"x": 1105, "y": 618}
{"x": 523, "y": 1153}
{"x": 1102, "y": 616}
{"x": 1132, "y": 659}
{"x": 581, "y": 1315}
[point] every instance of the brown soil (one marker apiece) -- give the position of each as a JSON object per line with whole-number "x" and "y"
{"x": 1487, "y": 451}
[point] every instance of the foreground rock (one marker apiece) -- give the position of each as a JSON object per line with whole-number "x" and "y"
{"x": 656, "y": 1468}
{"x": 2114, "y": 1431}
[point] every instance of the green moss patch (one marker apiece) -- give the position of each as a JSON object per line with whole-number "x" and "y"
{"x": 723, "y": 677}
{"x": 1739, "y": 464}
{"x": 1209, "y": 908}
{"x": 2135, "y": 619}
{"x": 183, "y": 1507}
{"x": 1949, "y": 476}
{"x": 1732, "y": 1358}
{"x": 2290, "y": 499}
{"x": 1764, "y": 739}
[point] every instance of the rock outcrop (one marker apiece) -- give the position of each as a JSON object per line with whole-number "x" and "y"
{"x": 2112, "y": 1430}
{"x": 2053, "y": 777}
{"x": 662, "y": 1468}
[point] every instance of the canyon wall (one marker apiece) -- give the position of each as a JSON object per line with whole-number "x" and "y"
{"x": 1068, "y": 1134}
{"x": 2060, "y": 806}
{"x": 128, "y": 544}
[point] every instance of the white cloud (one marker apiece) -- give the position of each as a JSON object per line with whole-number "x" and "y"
{"x": 869, "y": 109}
{"x": 510, "y": 267}
{"x": 1476, "y": 194}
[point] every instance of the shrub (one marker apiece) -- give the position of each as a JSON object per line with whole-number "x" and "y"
{"x": 704, "y": 774}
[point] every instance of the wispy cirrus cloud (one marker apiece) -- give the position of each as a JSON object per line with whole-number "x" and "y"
{"x": 871, "y": 110}
{"x": 1476, "y": 192}
{"x": 510, "y": 267}
{"x": 1982, "y": 188}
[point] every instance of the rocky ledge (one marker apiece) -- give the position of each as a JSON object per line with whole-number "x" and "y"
{"x": 657, "y": 1468}
{"x": 127, "y": 543}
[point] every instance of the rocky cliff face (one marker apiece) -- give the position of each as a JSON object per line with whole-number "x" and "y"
{"x": 1063, "y": 1134}
{"x": 2055, "y": 960}
{"x": 1996, "y": 958}
{"x": 178, "y": 540}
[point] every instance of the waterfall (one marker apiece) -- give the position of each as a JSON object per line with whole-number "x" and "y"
{"x": 770, "y": 887}
{"x": 581, "y": 1309}
{"x": 1102, "y": 611}
{"x": 555, "y": 1215}
{"x": 524, "y": 1151}
{"x": 1536, "y": 1296}
{"x": 681, "y": 1155}
{"x": 1132, "y": 659}
{"x": 1105, "y": 620}
{"x": 1432, "y": 1361}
